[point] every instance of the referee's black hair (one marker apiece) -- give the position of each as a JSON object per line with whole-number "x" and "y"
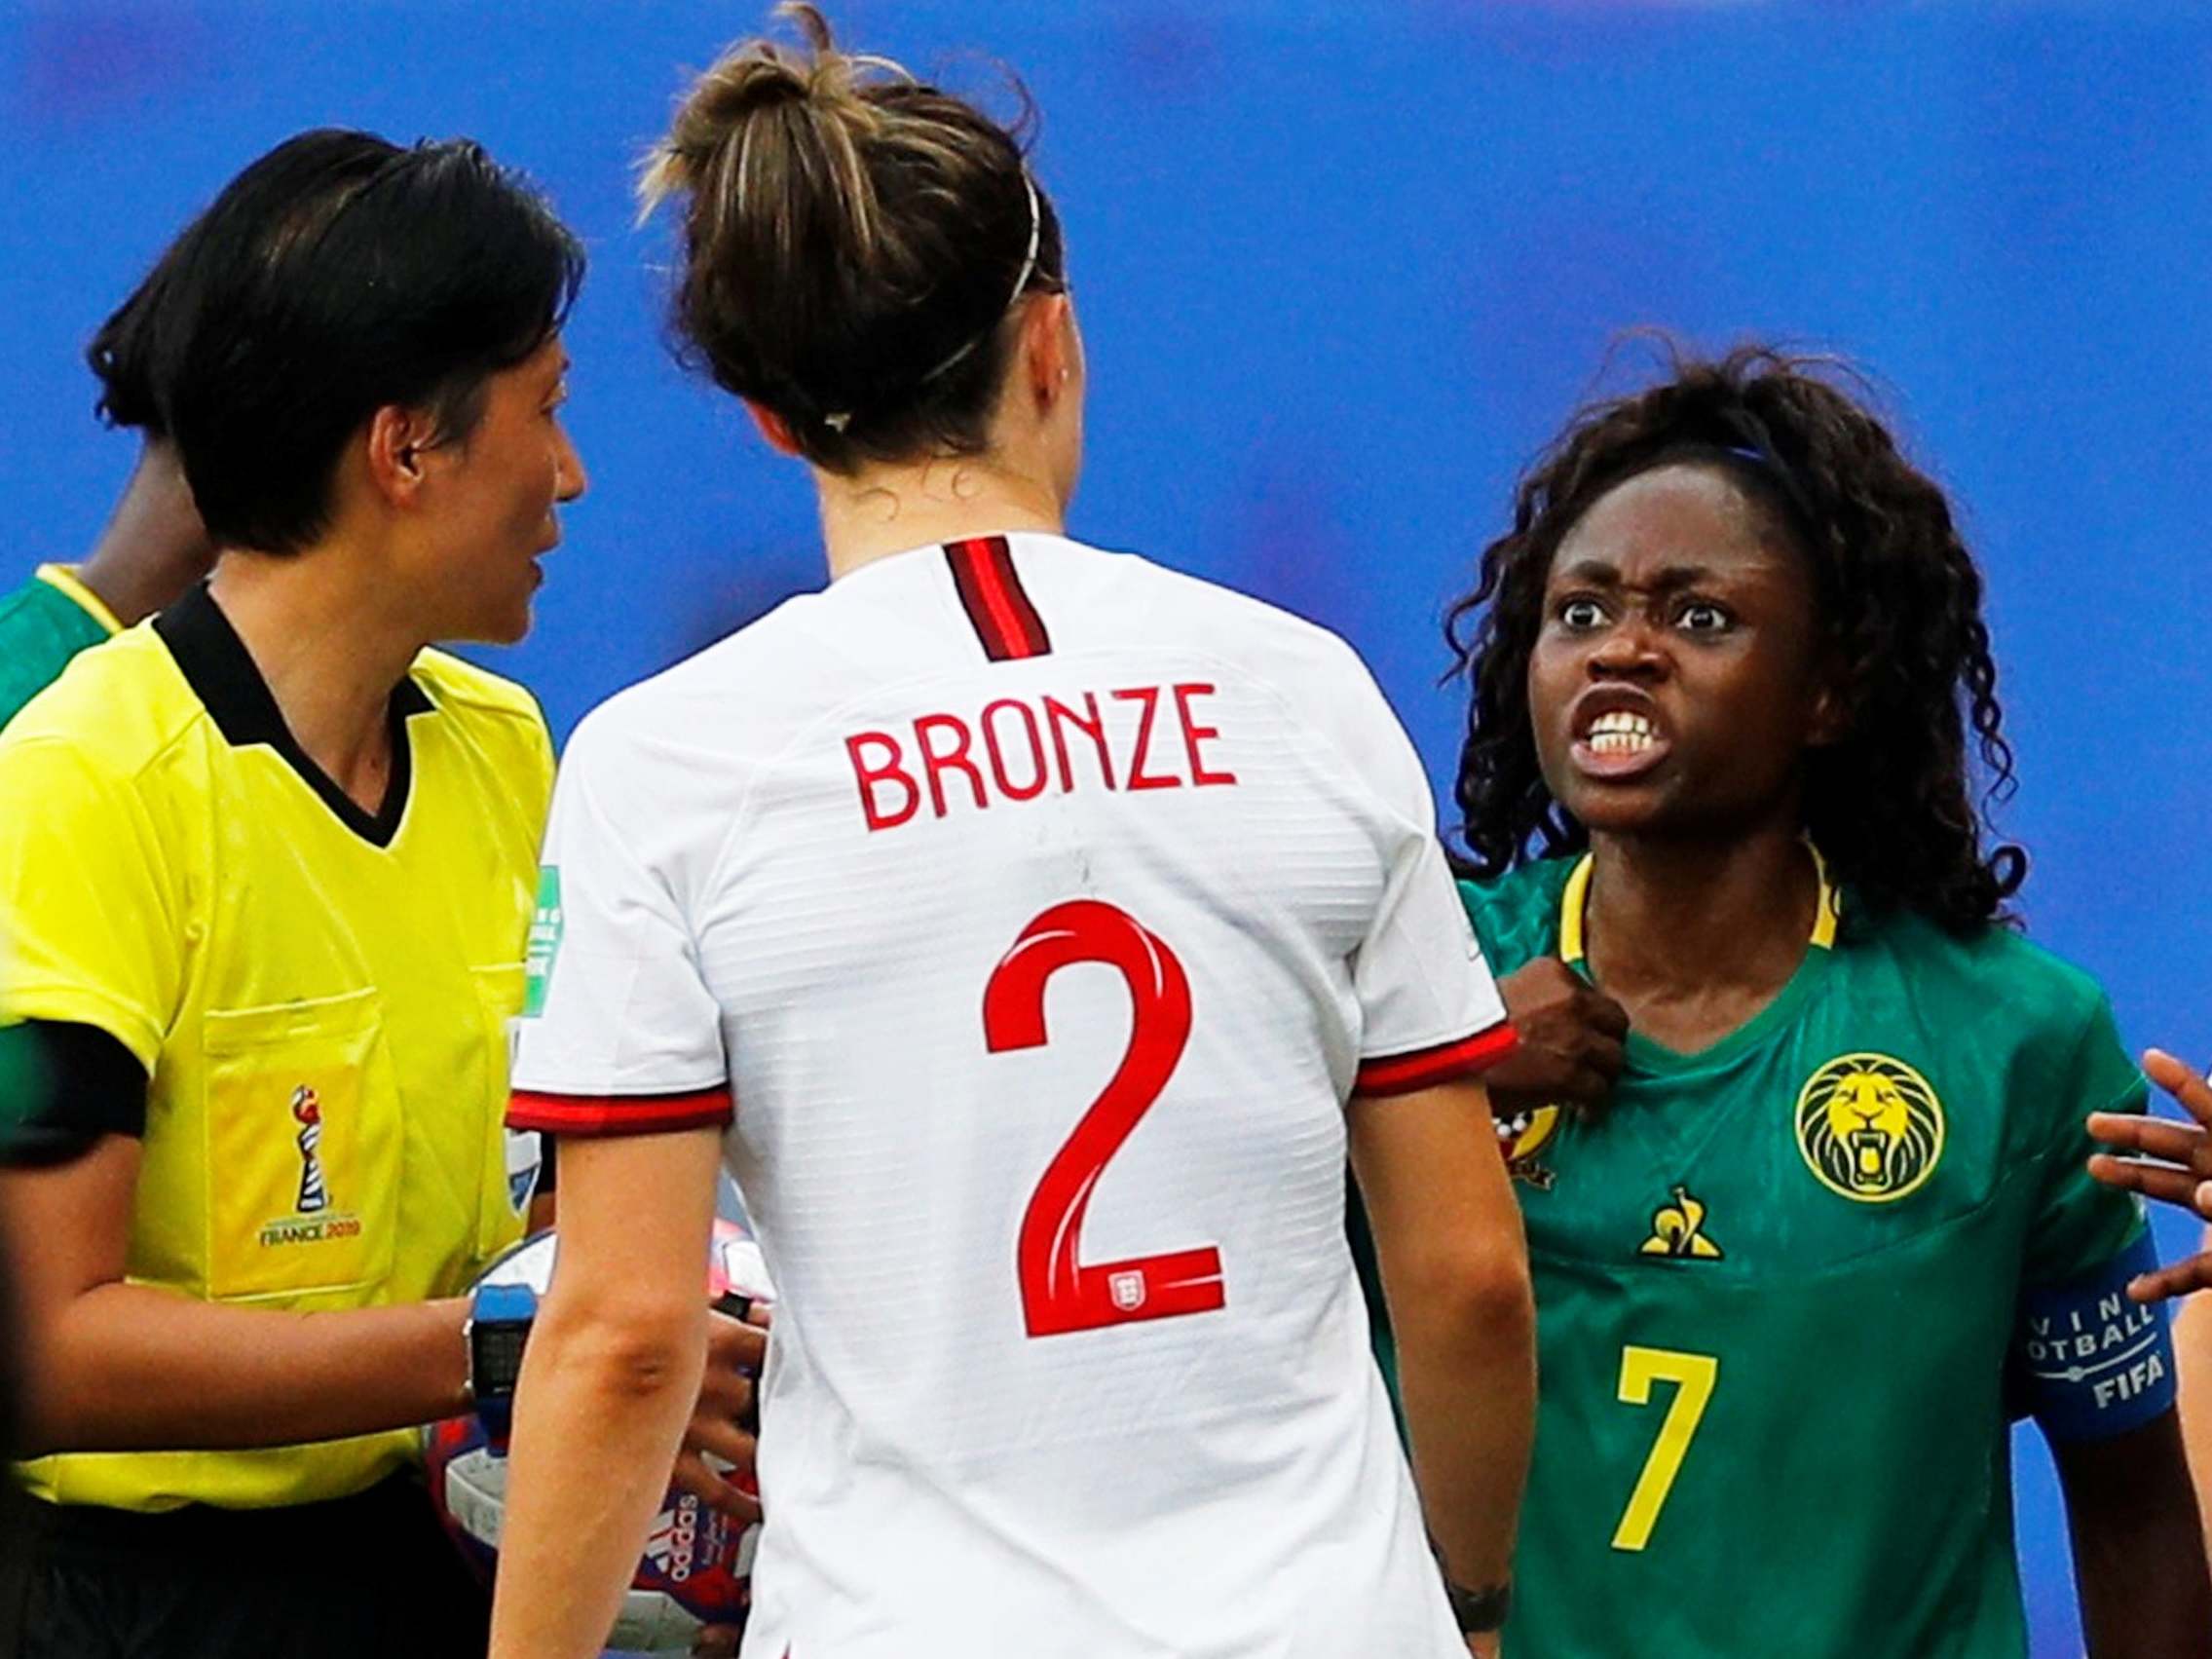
{"x": 337, "y": 275}
{"x": 1893, "y": 804}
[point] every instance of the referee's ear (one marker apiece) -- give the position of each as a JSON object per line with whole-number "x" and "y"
{"x": 397, "y": 438}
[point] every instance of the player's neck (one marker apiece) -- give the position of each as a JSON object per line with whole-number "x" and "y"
{"x": 1694, "y": 937}
{"x": 329, "y": 653}
{"x": 153, "y": 547}
{"x": 886, "y": 510}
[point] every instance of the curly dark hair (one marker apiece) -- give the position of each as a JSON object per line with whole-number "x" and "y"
{"x": 1899, "y": 601}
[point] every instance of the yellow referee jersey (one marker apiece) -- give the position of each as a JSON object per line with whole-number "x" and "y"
{"x": 319, "y": 995}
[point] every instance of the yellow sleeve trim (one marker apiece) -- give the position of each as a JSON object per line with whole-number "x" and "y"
{"x": 64, "y": 579}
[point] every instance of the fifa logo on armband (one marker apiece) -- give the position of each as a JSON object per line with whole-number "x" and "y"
{"x": 307, "y": 1111}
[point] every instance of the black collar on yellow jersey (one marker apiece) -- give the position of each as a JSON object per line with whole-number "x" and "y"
{"x": 1574, "y": 904}
{"x": 221, "y": 673}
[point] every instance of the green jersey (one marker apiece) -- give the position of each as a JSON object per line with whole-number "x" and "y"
{"x": 1779, "y": 1294}
{"x": 44, "y": 624}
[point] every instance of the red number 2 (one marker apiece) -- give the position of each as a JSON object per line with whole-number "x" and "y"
{"x": 1060, "y": 1293}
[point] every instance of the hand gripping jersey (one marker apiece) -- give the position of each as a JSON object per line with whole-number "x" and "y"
{"x": 1791, "y": 1289}
{"x": 1034, "y": 910}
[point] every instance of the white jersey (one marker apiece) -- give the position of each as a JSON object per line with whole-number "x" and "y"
{"x": 1030, "y": 913}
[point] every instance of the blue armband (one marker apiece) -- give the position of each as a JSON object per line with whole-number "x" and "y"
{"x": 2097, "y": 1363}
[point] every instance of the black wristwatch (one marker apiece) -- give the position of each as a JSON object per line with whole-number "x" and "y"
{"x": 498, "y": 1326}
{"x": 1478, "y": 1611}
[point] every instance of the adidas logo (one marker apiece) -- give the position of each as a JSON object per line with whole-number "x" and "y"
{"x": 673, "y": 1543}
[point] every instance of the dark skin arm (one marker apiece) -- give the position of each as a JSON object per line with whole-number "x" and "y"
{"x": 1569, "y": 1052}
{"x": 155, "y": 547}
{"x": 2171, "y": 1163}
{"x": 2167, "y": 1162}
{"x": 2138, "y": 1549}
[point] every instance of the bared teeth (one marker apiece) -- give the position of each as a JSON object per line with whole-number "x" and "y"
{"x": 1621, "y": 732}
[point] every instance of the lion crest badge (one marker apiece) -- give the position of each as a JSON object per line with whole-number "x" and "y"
{"x": 1870, "y": 1128}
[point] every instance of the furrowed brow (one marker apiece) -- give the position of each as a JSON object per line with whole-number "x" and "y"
{"x": 1589, "y": 572}
{"x": 1667, "y": 579}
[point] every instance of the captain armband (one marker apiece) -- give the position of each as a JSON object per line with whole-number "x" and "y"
{"x": 2096, "y": 1363}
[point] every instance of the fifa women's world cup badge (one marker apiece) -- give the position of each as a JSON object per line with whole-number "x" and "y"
{"x": 313, "y": 1217}
{"x": 1870, "y": 1127}
{"x": 307, "y": 1110}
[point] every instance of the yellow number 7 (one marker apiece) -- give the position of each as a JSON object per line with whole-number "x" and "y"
{"x": 1693, "y": 1376}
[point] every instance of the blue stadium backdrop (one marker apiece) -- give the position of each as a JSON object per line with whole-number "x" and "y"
{"x": 1341, "y": 268}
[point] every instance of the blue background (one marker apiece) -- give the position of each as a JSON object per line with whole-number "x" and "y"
{"x": 1342, "y": 269}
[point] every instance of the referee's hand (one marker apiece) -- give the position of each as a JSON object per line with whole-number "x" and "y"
{"x": 716, "y": 1462}
{"x": 2170, "y": 1161}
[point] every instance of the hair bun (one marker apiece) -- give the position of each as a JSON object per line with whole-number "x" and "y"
{"x": 759, "y": 78}
{"x": 852, "y": 239}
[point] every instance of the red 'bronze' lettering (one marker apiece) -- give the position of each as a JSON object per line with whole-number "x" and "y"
{"x": 936, "y": 762}
{"x": 1014, "y": 763}
{"x": 1032, "y": 745}
{"x": 890, "y": 772}
{"x": 1193, "y": 735}
{"x": 1058, "y": 713}
{"x": 1138, "y": 778}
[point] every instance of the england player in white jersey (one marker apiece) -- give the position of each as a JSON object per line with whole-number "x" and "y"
{"x": 1033, "y": 930}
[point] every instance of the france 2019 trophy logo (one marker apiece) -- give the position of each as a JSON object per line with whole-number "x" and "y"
{"x": 697, "y": 1568}
{"x": 307, "y": 1111}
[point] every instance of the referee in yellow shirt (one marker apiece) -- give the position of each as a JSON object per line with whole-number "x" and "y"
{"x": 265, "y": 876}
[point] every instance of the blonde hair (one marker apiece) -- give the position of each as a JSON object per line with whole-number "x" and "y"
{"x": 851, "y": 239}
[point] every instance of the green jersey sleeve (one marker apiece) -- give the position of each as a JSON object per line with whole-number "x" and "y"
{"x": 19, "y": 1082}
{"x": 2080, "y": 1225}
{"x": 1517, "y": 918}
{"x": 41, "y": 628}
{"x": 2089, "y": 1362}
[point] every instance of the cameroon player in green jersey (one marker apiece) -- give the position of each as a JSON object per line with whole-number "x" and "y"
{"x": 1830, "y": 1230}
{"x": 154, "y": 546}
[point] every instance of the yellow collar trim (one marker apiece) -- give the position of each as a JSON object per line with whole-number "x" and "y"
{"x": 64, "y": 579}
{"x": 1574, "y": 905}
